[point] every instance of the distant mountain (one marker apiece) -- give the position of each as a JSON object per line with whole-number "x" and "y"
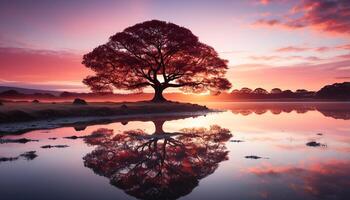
{"x": 28, "y": 91}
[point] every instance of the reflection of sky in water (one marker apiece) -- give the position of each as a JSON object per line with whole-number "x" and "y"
{"x": 293, "y": 170}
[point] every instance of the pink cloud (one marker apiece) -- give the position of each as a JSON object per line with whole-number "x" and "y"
{"x": 266, "y": 22}
{"x": 266, "y": 58}
{"x": 317, "y": 49}
{"x": 264, "y": 2}
{"x": 344, "y": 47}
{"x": 284, "y": 58}
{"x": 292, "y": 49}
{"x": 323, "y": 15}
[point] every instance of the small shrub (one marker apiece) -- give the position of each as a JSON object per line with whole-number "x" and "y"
{"x": 78, "y": 101}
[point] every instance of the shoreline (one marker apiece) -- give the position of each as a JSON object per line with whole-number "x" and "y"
{"x": 17, "y": 118}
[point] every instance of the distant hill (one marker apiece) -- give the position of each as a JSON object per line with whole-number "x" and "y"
{"x": 28, "y": 91}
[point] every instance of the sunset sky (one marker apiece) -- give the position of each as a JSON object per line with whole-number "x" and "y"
{"x": 289, "y": 44}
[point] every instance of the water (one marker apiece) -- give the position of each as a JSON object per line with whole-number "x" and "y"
{"x": 295, "y": 151}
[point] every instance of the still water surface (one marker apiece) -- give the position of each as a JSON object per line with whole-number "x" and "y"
{"x": 249, "y": 151}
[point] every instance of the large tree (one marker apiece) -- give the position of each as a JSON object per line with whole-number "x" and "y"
{"x": 156, "y": 54}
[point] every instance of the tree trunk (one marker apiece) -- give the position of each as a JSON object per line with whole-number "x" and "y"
{"x": 158, "y": 125}
{"x": 158, "y": 95}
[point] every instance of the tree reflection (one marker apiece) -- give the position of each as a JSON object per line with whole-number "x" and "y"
{"x": 161, "y": 165}
{"x": 334, "y": 110}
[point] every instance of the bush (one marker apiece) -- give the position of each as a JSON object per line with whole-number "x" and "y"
{"x": 78, "y": 101}
{"x": 35, "y": 101}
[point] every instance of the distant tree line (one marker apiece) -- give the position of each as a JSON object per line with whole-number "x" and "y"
{"x": 337, "y": 91}
{"x": 15, "y": 93}
{"x": 260, "y": 93}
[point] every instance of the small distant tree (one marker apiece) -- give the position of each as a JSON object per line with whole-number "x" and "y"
{"x": 66, "y": 94}
{"x": 235, "y": 91}
{"x": 260, "y": 91}
{"x": 245, "y": 90}
{"x": 301, "y": 91}
{"x": 276, "y": 91}
{"x": 156, "y": 54}
{"x": 287, "y": 93}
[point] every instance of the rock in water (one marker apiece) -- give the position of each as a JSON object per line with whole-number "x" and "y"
{"x": 30, "y": 155}
{"x": 21, "y": 140}
{"x": 315, "y": 144}
{"x": 54, "y": 146}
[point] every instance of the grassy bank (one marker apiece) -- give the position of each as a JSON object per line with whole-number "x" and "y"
{"x": 23, "y": 116}
{"x": 20, "y": 112}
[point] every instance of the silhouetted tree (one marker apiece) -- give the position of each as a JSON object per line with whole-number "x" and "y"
{"x": 335, "y": 91}
{"x": 245, "y": 90}
{"x": 276, "y": 91}
{"x": 66, "y": 94}
{"x": 260, "y": 91}
{"x": 235, "y": 91}
{"x": 156, "y": 54}
{"x": 301, "y": 91}
{"x": 287, "y": 93}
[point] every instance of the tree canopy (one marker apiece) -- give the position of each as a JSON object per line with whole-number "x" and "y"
{"x": 156, "y": 54}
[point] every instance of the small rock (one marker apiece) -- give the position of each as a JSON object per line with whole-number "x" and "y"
{"x": 315, "y": 144}
{"x": 252, "y": 157}
{"x": 74, "y": 137}
{"x": 53, "y": 138}
{"x": 319, "y": 134}
{"x": 5, "y": 159}
{"x": 255, "y": 157}
{"x": 35, "y": 101}
{"x": 237, "y": 141}
{"x": 78, "y": 101}
{"x": 30, "y": 155}
{"x": 54, "y": 146}
{"x": 95, "y": 135}
{"x": 124, "y": 106}
{"x": 21, "y": 140}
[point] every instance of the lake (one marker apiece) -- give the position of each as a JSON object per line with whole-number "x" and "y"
{"x": 248, "y": 151}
